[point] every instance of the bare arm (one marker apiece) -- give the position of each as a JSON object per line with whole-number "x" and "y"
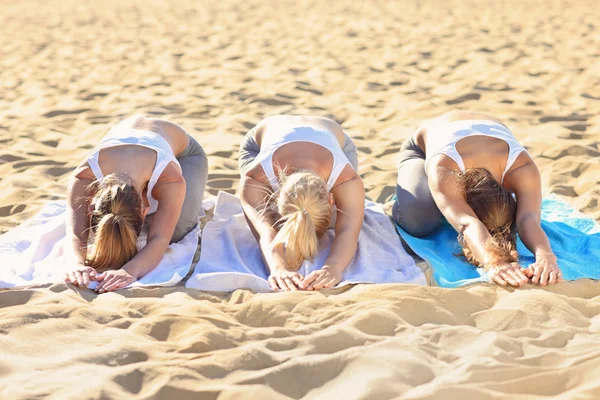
{"x": 78, "y": 225}
{"x": 526, "y": 183}
{"x": 448, "y": 196}
{"x": 350, "y": 201}
{"x": 170, "y": 193}
{"x": 253, "y": 195}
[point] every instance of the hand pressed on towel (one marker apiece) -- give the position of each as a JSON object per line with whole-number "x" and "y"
{"x": 114, "y": 280}
{"x": 80, "y": 275}
{"x": 509, "y": 273}
{"x": 283, "y": 279}
{"x": 544, "y": 271}
{"x": 322, "y": 279}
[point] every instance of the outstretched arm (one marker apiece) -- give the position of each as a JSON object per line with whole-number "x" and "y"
{"x": 170, "y": 193}
{"x": 77, "y": 215}
{"x": 526, "y": 183}
{"x": 448, "y": 196}
{"x": 77, "y": 227}
{"x": 253, "y": 195}
{"x": 350, "y": 202}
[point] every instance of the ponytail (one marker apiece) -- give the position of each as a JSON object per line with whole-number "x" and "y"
{"x": 496, "y": 208}
{"x": 116, "y": 222}
{"x": 305, "y": 210}
{"x": 115, "y": 243}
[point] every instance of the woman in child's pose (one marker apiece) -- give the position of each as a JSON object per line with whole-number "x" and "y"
{"x": 294, "y": 170}
{"x": 142, "y": 166}
{"x": 466, "y": 166}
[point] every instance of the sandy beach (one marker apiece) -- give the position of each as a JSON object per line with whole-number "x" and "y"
{"x": 69, "y": 70}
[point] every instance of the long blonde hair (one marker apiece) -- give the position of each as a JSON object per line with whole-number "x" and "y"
{"x": 496, "y": 208}
{"x": 304, "y": 210}
{"x": 116, "y": 222}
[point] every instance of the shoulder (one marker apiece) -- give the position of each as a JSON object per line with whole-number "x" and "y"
{"x": 256, "y": 173}
{"x": 83, "y": 172}
{"x": 443, "y": 178}
{"x": 171, "y": 174}
{"x": 524, "y": 173}
{"x": 268, "y": 122}
{"x": 348, "y": 175}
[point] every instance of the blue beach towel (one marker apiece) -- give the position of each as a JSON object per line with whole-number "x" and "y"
{"x": 574, "y": 237}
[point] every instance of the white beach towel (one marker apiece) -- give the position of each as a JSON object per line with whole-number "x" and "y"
{"x": 32, "y": 253}
{"x": 230, "y": 258}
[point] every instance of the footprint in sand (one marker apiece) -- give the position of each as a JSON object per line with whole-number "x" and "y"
{"x": 305, "y": 87}
{"x": 464, "y": 98}
{"x": 376, "y": 87}
{"x": 564, "y": 190}
{"x": 556, "y": 153}
{"x": 271, "y": 101}
{"x": 566, "y": 118}
{"x": 7, "y": 158}
{"x": 131, "y": 381}
{"x": 494, "y": 87}
{"x": 93, "y": 96}
{"x": 577, "y": 127}
{"x": 59, "y": 171}
{"x": 222, "y": 154}
{"x": 56, "y": 113}
{"x": 36, "y": 163}
{"x": 389, "y": 150}
{"x": 12, "y": 209}
{"x": 220, "y": 183}
{"x": 51, "y": 143}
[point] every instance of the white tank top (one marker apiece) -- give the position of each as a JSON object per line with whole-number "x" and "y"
{"x": 123, "y": 134}
{"x": 311, "y": 134}
{"x": 448, "y": 134}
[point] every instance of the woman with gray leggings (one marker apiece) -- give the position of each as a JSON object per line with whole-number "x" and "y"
{"x": 469, "y": 168}
{"x": 294, "y": 170}
{"x": 142, "y": 167}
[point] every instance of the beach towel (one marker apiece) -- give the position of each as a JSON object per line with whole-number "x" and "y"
{"x": 231, "y": 259}
{"x": 574, "y": 237}
{"x": 32, "y": 253}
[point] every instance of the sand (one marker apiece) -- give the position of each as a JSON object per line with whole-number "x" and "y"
{"x": 71, "y": 69}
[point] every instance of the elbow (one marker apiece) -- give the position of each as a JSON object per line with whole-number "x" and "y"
{"x": 526, "y": 220}
{"x": 466, "y": 224}
{"x": 159, "y": 240}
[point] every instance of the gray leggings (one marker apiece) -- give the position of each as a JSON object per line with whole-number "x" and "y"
{"x": 250, "y": 149}
{"x": 194, "y": 168}
{"x": 414, "y": 210}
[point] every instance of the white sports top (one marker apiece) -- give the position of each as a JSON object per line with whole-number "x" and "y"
{"x": 448, "y": 134}
{"x": 310, "y": 134}
{"x": 123, "y": 134}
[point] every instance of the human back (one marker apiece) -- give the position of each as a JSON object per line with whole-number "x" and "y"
{"x": 132, "y": 147}
{"x": 301, "y": 143}
{"x": 139, "y": 168}
{"x": 468, "y": 168}
{"x": 479, "y": 140}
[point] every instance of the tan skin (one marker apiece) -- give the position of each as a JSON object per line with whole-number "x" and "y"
{"x": 138, "y": 163}
{"x": 523, "y": 179}
{"x": 348, "y": 193}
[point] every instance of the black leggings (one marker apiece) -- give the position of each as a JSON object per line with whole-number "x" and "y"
{"x": 414, "y": 210}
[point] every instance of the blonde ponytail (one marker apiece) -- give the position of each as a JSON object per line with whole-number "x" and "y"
{"x": 305, "y": 213}
{"x": 116, "y": 222}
